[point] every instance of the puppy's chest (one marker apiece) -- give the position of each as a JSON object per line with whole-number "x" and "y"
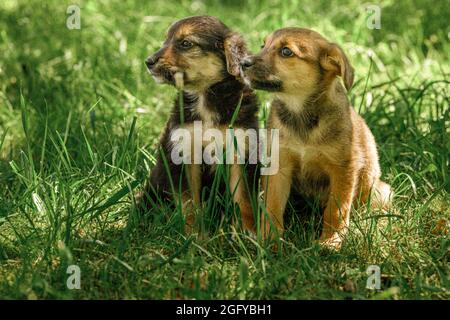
{"x": 310, "y": 162}
{"x": 300, "y": 150}
{"x": 209, "y": 117}
{"x": 308, "y": 150}
{"x": 202, "y": 127}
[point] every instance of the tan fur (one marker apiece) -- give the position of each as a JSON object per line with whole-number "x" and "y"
{"x": 199, "y": 70}
{"x": 191, "y": 202}
{"x": 207, "y": 116}
{"x": 339, "y": 149}
{"x": 202, "y": 70}
{"x": 240, "y": 196}
{"x": 183, "y": 30}
{"x": 235, "y": 48}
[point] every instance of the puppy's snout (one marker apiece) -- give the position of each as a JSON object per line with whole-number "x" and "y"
{"x": 247, "y": 62}
{"x": 151, "y": 61}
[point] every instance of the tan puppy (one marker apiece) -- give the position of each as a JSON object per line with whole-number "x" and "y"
{"x": 325, "y": 146}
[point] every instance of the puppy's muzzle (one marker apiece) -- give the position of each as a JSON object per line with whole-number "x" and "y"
{"x": 150, "y": 62}
{"x": 258, "y": 76}
{"x": 247, "y": 63}
{"x": 159, "y": 68}
{"x": 153, "y": 60}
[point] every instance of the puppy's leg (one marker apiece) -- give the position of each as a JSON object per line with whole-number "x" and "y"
{"x": 191, "y": 198}
{"x": 379, "y": 192}
{"x": 241, "y": 196}
{"x": 336, "y": 216}
{"x": 276, "y": 190}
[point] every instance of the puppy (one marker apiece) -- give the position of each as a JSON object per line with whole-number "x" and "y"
{"x": 326, "y": 148}
{"x": 201, "y": 56}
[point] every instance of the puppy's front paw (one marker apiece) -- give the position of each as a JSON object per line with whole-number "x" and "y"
{"x": 331, "y": 242}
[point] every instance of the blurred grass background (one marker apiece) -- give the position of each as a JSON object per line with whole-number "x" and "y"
{"x": 80, "y": 117}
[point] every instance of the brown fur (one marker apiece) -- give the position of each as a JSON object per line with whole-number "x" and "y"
{"x": 326, "y": 148}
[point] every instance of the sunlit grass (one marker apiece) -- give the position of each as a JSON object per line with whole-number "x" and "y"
{"x": 79, "y": 122}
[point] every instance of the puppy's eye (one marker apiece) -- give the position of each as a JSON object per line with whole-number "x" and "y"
{"x": 286, "y": 52}
{"x": 185, "y": 44}
{"x": 263, "y": 45}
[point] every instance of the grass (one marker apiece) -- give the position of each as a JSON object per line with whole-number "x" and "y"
{"x": 79, "y": 122}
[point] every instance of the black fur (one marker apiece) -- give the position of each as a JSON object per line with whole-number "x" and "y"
{"x": 301, "y": 122}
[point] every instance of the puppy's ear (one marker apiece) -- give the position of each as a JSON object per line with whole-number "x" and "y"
{"x": 334, "y": 60}
{"x": 235, "y": 50}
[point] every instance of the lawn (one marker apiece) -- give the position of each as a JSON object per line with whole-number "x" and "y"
{"x": 80, "y": 118}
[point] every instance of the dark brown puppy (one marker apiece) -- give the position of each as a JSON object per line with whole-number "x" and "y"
{"x": 325, "y": 147}
{"x": 201, "y": 56}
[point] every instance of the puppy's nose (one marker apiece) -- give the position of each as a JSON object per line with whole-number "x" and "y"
{"x": 247, "y": 63}
{"x": 150, "y": 62}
